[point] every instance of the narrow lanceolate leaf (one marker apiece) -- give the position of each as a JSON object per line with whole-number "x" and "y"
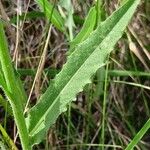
{"x": 83, "y": 62}
{"x": 13, "y": 92}
{"x": 52, "y": 14}
{"x": 87, "y": 28}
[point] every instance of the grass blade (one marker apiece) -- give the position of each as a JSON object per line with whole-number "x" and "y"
{"x": 29, "y": 16}
{"x": 2, "y": 80}
{"x": 87, "y": 28}
{"x": 7, "y": 139}
{"x": 86, "y": 59}
{"x": 134, "y": 84}
{"x": 128, "y": 73}
{"x": 13, "y": 93}
{"x": 52, "y": 72}
{"x": 52, "y": 14}
{"x": 138, "y": 136}
{"x": 6, "y": 106}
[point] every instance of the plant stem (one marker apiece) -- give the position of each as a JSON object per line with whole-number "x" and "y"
{"x": 14, "y": 96}
{"x": 7, "y": 138}
{"x": 104, "y": 108}
{"x": 99, "y": 11}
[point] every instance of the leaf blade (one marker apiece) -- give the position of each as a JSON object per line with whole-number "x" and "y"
{"x": 76, "y": 73}
{"x": 87, "y": 28}
{"x": 50, "y": 11}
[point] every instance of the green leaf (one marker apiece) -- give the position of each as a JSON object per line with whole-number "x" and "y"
{"x": 2, "y": 80}
{"x": 12, "y": 90}
{"x": 6, "y": 105}
{"x": 138, "y": 136}
{"x": 88, "y": 56}
{"x": 87, "y": 28}
{"x": 28, "y": 16}
{"x": 69, "y": 18}
{"x": 8, "y": 141}
{"x": 23, "y": 95}
{"x": 3, "y": 101}
{"x": 52, "y": 14}
{"x": 2, "y": 146}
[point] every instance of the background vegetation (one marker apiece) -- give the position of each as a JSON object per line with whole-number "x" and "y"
{"x": 111, "y": 110}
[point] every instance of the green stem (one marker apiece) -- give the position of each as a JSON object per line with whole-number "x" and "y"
{"x": 7, "y": 139}
{"x": 128, "y": 73}
{"x": 98, "y": 9}
{"x": 116, "y": 73}
{"x": 104, "y": 108}
{"x": 14, "y": 96}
